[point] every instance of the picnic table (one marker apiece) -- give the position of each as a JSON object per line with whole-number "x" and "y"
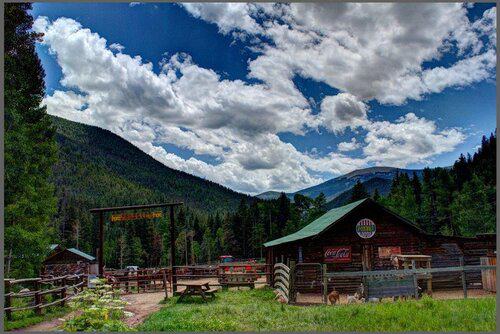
{"x": 198, "y": 289}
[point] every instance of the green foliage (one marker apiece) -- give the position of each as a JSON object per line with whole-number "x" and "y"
{"x": 454, "y": 201}
{"x": 358, "y": 192}
{"x": 101, "y": 310}
{"x": 30, "y": 149}
{"x": 256, "y": 310}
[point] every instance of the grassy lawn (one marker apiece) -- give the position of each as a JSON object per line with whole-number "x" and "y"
{"x": 255, "y": 310}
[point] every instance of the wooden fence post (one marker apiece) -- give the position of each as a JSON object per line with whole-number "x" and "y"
{"x": 38, "y": 297}
{"x": 415, "y": 280}
{"x": 291, "y": 291}
{"x": 429, "y": 279}
{"x": 165, "y": 284}
{"x": 464, "y": 282}
{"x": 63, "y": 292}
{"x": 8, "y": 300}
{"x": 325, "y": 285}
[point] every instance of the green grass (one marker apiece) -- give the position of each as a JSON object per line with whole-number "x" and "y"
{"x": 255, "y": 310}
{"x": 27, "y": 318}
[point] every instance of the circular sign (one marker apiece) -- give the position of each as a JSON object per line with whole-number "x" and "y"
{"x": 366, "y": 228}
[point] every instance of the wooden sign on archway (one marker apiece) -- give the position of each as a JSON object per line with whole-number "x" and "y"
{"x": 123, "y": 216}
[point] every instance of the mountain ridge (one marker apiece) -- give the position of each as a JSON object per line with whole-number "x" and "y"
{"x": 336, "y": 186}
{"x": 85, "y": 147}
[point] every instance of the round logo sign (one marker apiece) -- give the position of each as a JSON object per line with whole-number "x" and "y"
{"x": 366, "y": 228}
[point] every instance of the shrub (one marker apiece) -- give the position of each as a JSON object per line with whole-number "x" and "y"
{"x": 102, "y": 310}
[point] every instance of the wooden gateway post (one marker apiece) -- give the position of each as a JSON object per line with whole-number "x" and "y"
{"x": 136, "y": 216}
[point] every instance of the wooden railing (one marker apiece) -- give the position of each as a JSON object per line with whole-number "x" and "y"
{"x": 155, "y": 279}
{"x": 61, "y": 288}
{"x": 415, "y": 273}
{"x": 142, "y": 280}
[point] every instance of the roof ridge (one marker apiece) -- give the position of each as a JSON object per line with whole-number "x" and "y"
{"x": 318, "y": 225}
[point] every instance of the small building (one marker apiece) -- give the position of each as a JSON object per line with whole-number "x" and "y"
{"x": 68, "y": 261}
{"x": 363, "y": 235}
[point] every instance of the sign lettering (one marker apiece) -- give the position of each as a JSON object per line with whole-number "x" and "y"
{"x": 366, "y": 228}
{"x": 134, "y": 216}
{"x": 339, "y": 254}
{"x": 386, "y": 252}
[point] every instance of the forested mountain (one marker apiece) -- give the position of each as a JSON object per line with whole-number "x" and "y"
{"x": 382, "y": 186}
{"x": 104, "y": 168}
{"x": 337, "y": 186}
{"x": 97, "y": 168}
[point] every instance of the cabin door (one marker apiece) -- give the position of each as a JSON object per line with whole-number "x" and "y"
{"x": 366, "y": 258}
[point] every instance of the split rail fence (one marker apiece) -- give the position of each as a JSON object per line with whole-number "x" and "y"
{"x": 60, "y": 288}
{"x": 155, "y": 279}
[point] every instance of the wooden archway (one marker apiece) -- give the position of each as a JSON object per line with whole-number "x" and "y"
{"x": 101, "y": 211}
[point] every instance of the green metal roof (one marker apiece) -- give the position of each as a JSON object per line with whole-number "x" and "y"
{"x": 317, "y": 226}
{"x": 82, "y": 254}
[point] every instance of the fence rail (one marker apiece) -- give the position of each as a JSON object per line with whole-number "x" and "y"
{"x": 70, "y": 286}
{"x": 415, "y": 273}
{"x": 421, "y": 271}
{"x": 154, "y": 279}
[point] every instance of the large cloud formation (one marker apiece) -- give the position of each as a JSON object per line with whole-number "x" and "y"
{"x": 366, "y": 51}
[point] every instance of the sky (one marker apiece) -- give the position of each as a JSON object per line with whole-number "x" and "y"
{"x": 263, "y": 96}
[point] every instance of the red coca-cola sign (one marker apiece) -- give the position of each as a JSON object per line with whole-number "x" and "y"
{"x": 339, "y": 254}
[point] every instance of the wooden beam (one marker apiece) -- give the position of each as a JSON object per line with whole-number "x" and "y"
{"x": 135, "y": 207}
{"x": 101, "y": 244}
{"x": 172, "y": 251}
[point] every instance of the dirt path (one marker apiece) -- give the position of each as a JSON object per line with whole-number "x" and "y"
{"x": 141, "y": 305}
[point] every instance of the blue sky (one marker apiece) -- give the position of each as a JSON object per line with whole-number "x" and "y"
{"x": 258, "y": 98}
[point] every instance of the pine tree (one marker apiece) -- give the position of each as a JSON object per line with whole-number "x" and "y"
{"x": 283, "y": 212}
{"x": 471, "y": 209}
{"x": 358, "y": 192}
{"x": 30, "y": 149}
{"x": 429, "y": 209}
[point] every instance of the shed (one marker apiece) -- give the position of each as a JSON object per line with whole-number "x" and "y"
{"x": 364, "y": 234}
{"x": 63, "y": 261}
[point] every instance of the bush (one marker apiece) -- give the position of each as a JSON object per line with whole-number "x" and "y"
{"x": 102, "y": 310}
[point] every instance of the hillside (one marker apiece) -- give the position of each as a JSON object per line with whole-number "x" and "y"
{"x": 383, "y": 186}
{"x": 97, "y": 168}
{"x": 336, "y": 186}
{"x": 103, "y": 169}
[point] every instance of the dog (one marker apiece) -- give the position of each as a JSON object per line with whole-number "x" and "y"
{"x": 352, "y": 299}
{"x": 334, "y": 297}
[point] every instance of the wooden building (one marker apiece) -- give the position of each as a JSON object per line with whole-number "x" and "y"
{"x": 363, "y": 235}
{"x": 68, "y": 261}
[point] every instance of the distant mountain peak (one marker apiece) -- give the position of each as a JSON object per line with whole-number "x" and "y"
{"x": 336, "y": 186}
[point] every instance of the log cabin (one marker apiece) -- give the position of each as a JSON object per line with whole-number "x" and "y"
{"x": 363, "y": 235}
{"x": 68, "y": 261}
